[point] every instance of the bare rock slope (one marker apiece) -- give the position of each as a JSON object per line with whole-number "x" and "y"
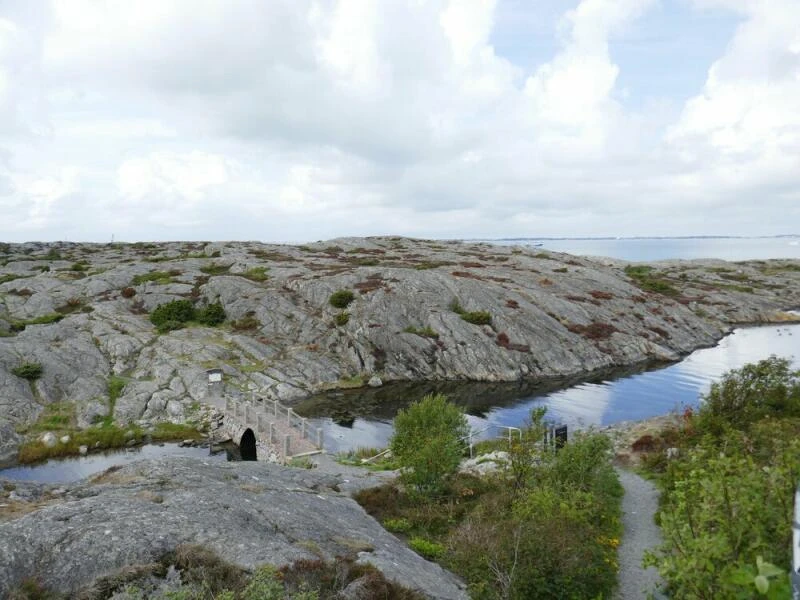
{"x": 248, "y": 513}
{"x": 421, "y": 310}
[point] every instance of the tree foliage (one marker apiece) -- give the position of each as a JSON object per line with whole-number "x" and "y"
{"x": 428, "y": 442}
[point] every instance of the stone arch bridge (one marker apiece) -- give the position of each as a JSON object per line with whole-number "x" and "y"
{"x": 265, "y": 429}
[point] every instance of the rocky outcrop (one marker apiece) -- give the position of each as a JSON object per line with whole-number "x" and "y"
{"x": 248, "y": 513}
{"x": 545, "y": 315}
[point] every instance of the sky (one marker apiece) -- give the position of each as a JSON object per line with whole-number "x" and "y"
{"x": 302, "y": 120}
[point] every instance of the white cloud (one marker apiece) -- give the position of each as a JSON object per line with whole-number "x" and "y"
{"x": 332, "y": 117}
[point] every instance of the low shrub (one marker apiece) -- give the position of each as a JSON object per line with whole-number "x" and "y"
{"x": 128, "y": 292}
{"x": 341, "y": 299}
{"x": 343, "y": 318}
{"x": 29, "y": 371}
{"x": 256, "y": 274}
{"x": 211, "y": 315}
{"x": 175, "y": 312}
{"x": 426, "y": 548}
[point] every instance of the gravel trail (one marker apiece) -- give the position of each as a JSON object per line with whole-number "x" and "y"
{"x": 640, "y": 533}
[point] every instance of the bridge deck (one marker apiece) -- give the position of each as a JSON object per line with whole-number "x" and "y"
{"x": 275, "y": 426}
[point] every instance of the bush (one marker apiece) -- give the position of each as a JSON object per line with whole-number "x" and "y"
{"x": 211, "y": 315}
{"x": 341, "y": 299}
{"x": 768, "y": 388}
{"x": 428, "y": 442}
{"x": 173, "y": 313}
{"x": 343, "y": 318}
{"x": 29, "y": 371}
{"x": 128, "y": 292}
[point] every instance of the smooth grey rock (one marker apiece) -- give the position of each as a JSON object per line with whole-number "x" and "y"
{"x": 375, "y": 381}
{"x": 49, "y": 439}
{"x": 249, "y": 513}
{"x": 64, "y": 439}
{"x": 83, "y": 450}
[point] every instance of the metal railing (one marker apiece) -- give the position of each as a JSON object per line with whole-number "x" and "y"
{"x": 269, "y": 418}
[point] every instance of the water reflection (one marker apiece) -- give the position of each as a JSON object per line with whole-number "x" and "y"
{"x": 599, "y": 402}
{"x": 73, "y": 469}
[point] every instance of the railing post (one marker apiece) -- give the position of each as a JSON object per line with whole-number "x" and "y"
{"x": 260, "y": 418}
{"x": 319, "y": 438}
{"x": 303, "y": 427}
{"x": 247, "y": 414}
{"x": 271, "y": 432}
{"x": 289, "y": 417}
{"x": 275, "y": 407}
{"x": 228, "y": 405}
{"x": 286, "y": 447}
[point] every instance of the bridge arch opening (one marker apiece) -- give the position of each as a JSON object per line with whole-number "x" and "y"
{"x": 247, "y": 446}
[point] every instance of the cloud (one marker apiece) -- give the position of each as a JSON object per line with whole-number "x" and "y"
{"x": 335, "y": 117}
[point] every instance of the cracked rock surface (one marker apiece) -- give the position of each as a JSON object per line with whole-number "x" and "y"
{"x": 551, "y": 316}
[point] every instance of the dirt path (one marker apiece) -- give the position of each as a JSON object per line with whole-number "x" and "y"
{"x": 640, "y": 533}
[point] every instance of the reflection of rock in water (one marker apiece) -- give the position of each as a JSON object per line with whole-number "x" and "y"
{"x": 477, "y": 398}
{"x": 343, "y": 417}
{"x": 231, "y": 450}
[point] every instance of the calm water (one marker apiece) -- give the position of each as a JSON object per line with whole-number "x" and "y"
{"x": 600, "y": 402}
{"x": 648, "y": 249}
{"x": 72, "y": 469}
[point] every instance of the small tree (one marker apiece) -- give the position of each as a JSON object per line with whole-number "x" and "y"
{"x": 428, "y": 442}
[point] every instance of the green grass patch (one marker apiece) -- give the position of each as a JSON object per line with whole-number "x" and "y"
{"x": 477, "y": 317}
{"x": 256, "y": 274}
{"x": 426, "y": 331}
{"x": 157, "y": 277}
{"x": 215, "y": 269}
{"x": 645, "y": 279}
{"x": 343, "y": 318}
{"x": 167, "y": 432}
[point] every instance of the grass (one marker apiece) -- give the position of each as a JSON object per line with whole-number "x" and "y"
{"x": 59, "y": 418}
{"x": 358, "y": 456}
{"x": 215, "y": 269}
{"x": 157, "y": 277}
{"x": 426, "y": 331}
{"x": 343, "y": 318}
{"x": 166, "y": 432}
{"x": 256, "y": 274}
{"x": 478, "y": 317}
{"x": 43, "y": 320}
{"x": 647, "y": 281}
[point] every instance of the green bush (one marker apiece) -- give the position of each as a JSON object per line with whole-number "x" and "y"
{"x": 211, "y": 315}
{"x": 428, "y": 442}
{"x": 29, "y": 371}
{"x": 343, "y": 318}
{"x": 727, "y": 501}
{"x": 177, "y": 311}
{"x": 768, "y": 388}
{"x": 341, "y": 299}
{"x": 479, "y": 317}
